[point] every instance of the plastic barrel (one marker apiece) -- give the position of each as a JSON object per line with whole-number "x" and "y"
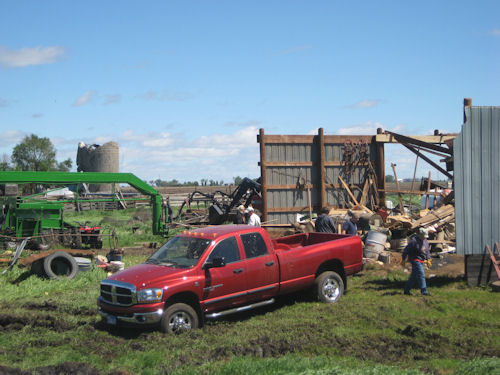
{"x": 374, "y": 244}
{"x": 83, "y": 263}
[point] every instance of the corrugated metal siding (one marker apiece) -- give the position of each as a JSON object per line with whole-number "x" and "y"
{"x": 476, "y": 154}
{"x": 297, "y": 200}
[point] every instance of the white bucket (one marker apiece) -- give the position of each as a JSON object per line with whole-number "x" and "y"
{"x": 374, "y": 244}
{"x": 118, "y": 264}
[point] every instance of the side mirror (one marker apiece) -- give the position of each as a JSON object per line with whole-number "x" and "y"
{"x": 215, "y": 263}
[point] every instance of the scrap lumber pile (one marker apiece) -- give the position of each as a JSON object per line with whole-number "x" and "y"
{"x": 439, "y": 221}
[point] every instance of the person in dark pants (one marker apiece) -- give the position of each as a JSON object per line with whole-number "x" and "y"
{"x": 417, "y": 252}
{"x": 324, "y": 223}
{"x": 351, "y": 225}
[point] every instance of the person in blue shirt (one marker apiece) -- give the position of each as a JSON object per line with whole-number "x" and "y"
{"x": 417, "y": 253}
{"x": 324, "y": 223}
{"x": 351, "y": 225}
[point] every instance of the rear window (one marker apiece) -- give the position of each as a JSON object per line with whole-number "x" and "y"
{"x": 254, "y": 245}
{"x": 227, "y": 249}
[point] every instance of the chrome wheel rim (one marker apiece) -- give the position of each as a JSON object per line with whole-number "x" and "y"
{"x": 180, "y": 321}
{"x": 331, "y": 289}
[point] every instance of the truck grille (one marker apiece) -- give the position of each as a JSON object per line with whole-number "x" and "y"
{"x": 118, "y": 293}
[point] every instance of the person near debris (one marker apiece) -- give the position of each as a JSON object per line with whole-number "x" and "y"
{"x": 417, "y": 253}
{"x": 324, "y": 223}
{"x": 240, "y": 215}
{"x": 253, "y": 218}
{"x": 351, "y": 225}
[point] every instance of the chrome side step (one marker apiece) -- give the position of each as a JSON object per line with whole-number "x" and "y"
{"x": 239, "y": 309}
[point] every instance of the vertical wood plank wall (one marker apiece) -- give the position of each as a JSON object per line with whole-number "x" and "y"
{"x": 293, "y": 164}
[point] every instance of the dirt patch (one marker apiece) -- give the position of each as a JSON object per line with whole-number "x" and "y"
{"x": 45, "y": 306}
{"x": 68, "y": 368}
{"x": 17, "y": 322}
{"x": 13, "y": 371}
{"x": 449, "y": 265}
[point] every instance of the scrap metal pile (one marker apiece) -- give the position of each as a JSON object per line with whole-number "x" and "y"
{"x": 221, "y": 205}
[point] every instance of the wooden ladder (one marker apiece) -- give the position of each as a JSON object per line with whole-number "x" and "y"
{"x": 493, "y": 259}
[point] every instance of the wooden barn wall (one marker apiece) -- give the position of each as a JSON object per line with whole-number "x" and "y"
{"x": 293, "y": 164}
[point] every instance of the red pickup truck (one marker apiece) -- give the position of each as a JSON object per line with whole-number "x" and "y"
{"x": 219, "y": 270}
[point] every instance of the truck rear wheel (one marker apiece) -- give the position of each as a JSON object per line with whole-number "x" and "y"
{"x": 179, "y": 318}
{"x": 329, "y": 287}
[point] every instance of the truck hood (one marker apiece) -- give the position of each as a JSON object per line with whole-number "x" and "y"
{"x": 145, "y": 275}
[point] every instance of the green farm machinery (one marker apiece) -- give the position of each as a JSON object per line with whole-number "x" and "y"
{"x": 31, "y": 216}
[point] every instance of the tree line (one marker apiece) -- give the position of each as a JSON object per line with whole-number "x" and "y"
{"x": 34, "y": 154}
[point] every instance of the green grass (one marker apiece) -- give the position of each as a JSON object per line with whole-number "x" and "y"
{"x": 132, "y": 226}
{"x": 373, "y": 329}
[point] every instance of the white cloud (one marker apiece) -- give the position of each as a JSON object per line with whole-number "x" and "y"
{"x": 11, "y": 137}
{"x": 495, "y": 32}
{"x": 85, "y": 98}
{"x": 364, "y": 104}
{"x": 161, "y": 154}
{"x": 367, "y": 128}
{"x": 30, "y": 56}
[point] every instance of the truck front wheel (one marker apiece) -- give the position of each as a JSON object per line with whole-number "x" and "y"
{"x": 329, "y": 287}
{"x": 178, "y": 318}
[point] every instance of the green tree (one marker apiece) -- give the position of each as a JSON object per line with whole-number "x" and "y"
{"x": 237, "y": 180}
{"x": 4, "y": 164}
{"x": 37, "y": 154}
{"x": 389, "y": 178}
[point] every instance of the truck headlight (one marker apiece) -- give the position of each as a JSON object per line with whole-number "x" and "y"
{"x": 149, "y": 295}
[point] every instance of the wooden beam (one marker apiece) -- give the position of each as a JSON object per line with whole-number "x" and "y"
{"x": 321, "y": 145}
{"x": 366, "y": 187}
{"x": 401, "y": 206}
{"x": 308, "y": 164}
{"x": 263, "y": 179}
{"x": 414, "y": 141}
{"x": 414, "y": 192}
{"x": 435, "y": 139}
{"x": 344, "y": 185}
{"x": 446, "y": 173}
{"x": 309, "y": 139}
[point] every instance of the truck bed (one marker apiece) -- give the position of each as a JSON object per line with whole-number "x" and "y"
{"x": 300, "y": 255}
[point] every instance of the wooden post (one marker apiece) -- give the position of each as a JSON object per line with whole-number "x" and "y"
{"x": 321, "y": 174}
{"x": 380, "y": 168}
{"x": 263, "y": 182}
{"x": 467, "y": 103}
{"x": 428, "y": 189}
{"x": 401, "y": 207}
{"x": 413, "y": 181}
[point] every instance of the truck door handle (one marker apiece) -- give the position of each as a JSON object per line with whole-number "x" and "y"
{"x": 238, "y": 270}
{"x": 269, "y": 264}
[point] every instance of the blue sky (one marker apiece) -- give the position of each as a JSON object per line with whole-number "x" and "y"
{"x": 184, "y": 86}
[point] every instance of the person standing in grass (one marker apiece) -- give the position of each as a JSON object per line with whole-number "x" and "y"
{"x": 417, "y": 252}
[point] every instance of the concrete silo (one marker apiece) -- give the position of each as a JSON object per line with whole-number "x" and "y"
{"x": 96, "y": 158}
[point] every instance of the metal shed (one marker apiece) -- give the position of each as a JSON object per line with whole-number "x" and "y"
{"x": 477, "y": 186}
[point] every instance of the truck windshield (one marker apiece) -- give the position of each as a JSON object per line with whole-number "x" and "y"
{"x": 182, "y": 252}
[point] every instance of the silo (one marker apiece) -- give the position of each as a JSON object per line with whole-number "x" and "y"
{"x": 96, "y": 158}
{"x": 106, "y": 159}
